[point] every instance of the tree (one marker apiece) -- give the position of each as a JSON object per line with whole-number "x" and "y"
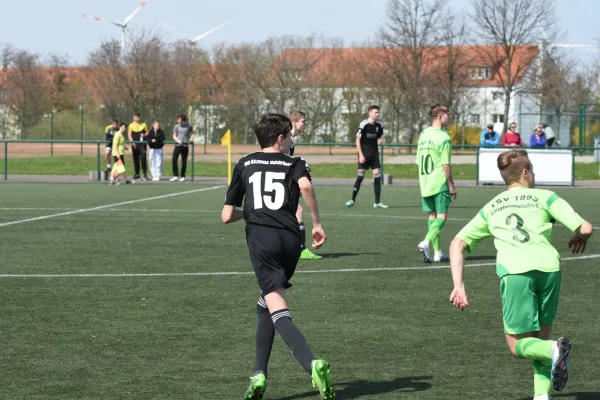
{"x": 511, "y": 28}
{"x": 27, "y": 86}
{"x": 408, "y": 44}
{"x": 138, "y": 78}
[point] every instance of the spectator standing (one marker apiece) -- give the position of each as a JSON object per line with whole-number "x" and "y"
{"x": 110, "y": 134}
{"x": 538, "y": 140}
{"x": 489, "y": 137}
{"x": 183, "y": 133}
{"x": 156, "y": 142}
{"x": 137, "y": 133}
{"x": 512, "y": 138}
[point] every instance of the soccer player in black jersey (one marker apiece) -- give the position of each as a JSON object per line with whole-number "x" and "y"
{"x": 298, "y": 124}
{"x": 368, "y": 139}
{"x": 269, "y": 183}
{"x": 110, "y": 134}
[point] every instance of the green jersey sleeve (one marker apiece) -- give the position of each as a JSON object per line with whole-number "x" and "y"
{"x": 562, "y": 211}
{"x": 446, "y": 152}
{"x": 475, "y": 231}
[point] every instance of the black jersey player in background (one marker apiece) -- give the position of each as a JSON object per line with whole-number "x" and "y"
{"x": 110, "y": 134}
{"x": 368, "y": 139}
{"x": 298, "y": 119}
{"x": 270, "y": 183}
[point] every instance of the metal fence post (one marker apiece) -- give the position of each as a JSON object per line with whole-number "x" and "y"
{"x": 5, "y": 159}
{"x": 193, "y": 159}
{"x": 52, "y": 134}
{"x": 81, "y": 127}
{"x": 98, "y": 160}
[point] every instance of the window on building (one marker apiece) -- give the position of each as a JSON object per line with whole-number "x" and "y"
{"x": 474, "y": 118}
{"x": 480, "y": 73}
{"x": 498, "y": 95}
{"x": 498, "y": 118}
{"x": 4, "y": 93}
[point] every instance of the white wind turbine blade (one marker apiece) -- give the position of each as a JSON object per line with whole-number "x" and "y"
{"x": 102, "y": 20}
{"x": 205, "y": 34}
{"x": 175, "y": 31}
{"x": 576, "y": 46}
{"x": 134, "y": 13}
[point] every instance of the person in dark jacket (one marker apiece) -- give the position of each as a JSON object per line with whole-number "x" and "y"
{"x": 156, "y": 141}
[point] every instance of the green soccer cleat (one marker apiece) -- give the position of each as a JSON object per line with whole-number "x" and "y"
{"x": 349, "y": 203}
{"x": 322, "y": 380}
{"x": 256, "y": 390}
{"x": 380, "y": 205}
{"x": 309, "y": 255}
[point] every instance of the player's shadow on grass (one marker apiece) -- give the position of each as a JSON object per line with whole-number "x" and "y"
{"x": 480, "y": 258}
{"x": 356, "y": 389}
{"x": 578, "y": 396}
{"x": 342, "y": 255}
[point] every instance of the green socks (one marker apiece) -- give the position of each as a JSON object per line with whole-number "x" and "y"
{"x": 435, "y": 227}
{"x": 436, "y": 241}
{"x": 535, "y": 349}
{"x": 542, "y": 377}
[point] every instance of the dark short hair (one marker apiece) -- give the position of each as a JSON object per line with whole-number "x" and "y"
{"x": 122, "y": 124}
{"x": 373, "y": 107}
{"x": 295, "y": 115}
{"x": 436, "y": 109}
{"x": 137, "y": 114}
{"x": 115, "y": 121}
{"x": 269, "y": 127}
{"x": 182, "y": 117}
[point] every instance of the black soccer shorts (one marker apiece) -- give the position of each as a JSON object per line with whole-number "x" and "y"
{"x": 274, "y": 254}
{"x": 371, "y": 162}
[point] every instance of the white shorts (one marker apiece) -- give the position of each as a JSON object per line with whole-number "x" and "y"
{"x": 108, "y": 149}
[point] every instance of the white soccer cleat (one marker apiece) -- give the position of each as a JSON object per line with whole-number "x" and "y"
{"x": 560, "y": 357}
{"x": 439, "y": 256}
{"x": 182, "y": 179}
{"x": 544, "y": 396}
{"x": 174, "y": 179}
{"x": 425, "y": 249}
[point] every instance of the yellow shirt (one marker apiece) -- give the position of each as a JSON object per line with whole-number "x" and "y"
{"x": 118, "y": 144}
{"x": 137, "y": 129}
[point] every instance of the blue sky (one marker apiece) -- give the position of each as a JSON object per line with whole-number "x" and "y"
{"x": 58, "y": 27}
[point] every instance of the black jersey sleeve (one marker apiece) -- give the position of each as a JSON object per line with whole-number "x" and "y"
{"x": 236, "y": 191}
{"x": 300, "y": 169}
{"x": 380, "y": 130}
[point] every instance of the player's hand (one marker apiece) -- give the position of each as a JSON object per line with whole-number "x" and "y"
{"x": 361, "y": 159}
{"x": 319, "y": 236}
{"x": 458, "y": 297}
{"x": 452, "y": 190}
{"x": 577, "y": 244}
{"x": 380, "y": 141}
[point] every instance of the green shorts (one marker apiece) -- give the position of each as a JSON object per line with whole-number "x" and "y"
{"x": 528, "y": 300}
{"x": 439, "y": 203}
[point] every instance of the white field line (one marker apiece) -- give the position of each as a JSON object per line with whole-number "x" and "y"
{"x": 237, "y": 273}
{"x": 159, "y": 210}
{"x": 107, "y": 206}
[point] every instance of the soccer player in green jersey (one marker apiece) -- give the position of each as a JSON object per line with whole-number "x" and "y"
{"x": 435, "y": 179}
{"x": 520, "y": 220}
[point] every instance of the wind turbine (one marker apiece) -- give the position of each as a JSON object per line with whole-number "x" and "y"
{"x": 193, "y": 41}
{"x": 122, "y": 25}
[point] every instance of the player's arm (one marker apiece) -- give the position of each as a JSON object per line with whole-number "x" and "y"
{"x": 234, "y": 197}
{"x": 310, "y": 199}
{"x": 445, "y": 160}
{"x": 474, "y": 232}
{"x": 129, "y": 133}
{"x": 380, "y": 136}
{"x": 361, "y": 156}
{"x": 562, "y": 212}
